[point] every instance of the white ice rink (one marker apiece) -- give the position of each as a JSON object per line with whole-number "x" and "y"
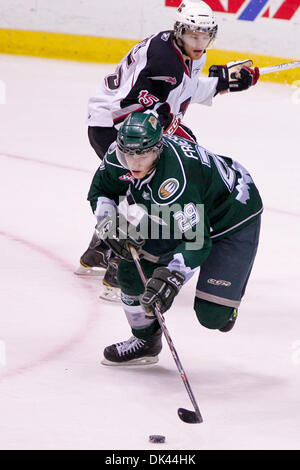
{"x": 54, "y": 393}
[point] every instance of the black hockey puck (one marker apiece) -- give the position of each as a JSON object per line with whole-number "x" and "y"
{"x": 157, "y": 439}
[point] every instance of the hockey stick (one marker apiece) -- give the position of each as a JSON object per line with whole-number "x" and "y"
{"x": 187, "y": 416}
{"x": 278, "y": 68}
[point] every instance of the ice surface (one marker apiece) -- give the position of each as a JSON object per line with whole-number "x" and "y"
{"x": 54, "y": 392}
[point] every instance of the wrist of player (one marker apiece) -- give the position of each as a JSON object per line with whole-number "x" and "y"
{"x": 119, "y": 236}
{"x": 173, "y": 125}
{"x": 168, "y": 121}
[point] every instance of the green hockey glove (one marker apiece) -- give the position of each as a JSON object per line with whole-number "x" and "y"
{"x": 162, "y": 287}
{"x": 118, "y": 234}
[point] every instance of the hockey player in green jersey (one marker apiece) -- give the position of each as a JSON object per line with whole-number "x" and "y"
{"x": 182, "y": 207}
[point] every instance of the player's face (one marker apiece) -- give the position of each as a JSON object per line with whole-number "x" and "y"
{"x": 141, "y": 164}
{"x": 195, "y": 43}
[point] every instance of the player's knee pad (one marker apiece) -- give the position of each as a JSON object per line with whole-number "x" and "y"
{"x": 211, "y": 315}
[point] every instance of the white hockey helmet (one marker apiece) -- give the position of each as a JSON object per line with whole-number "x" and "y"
{"x": 195, "y": 16}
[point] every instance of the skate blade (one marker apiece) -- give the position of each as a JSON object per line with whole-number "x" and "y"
{"x": 113, "y": 294}
{"x": 142, "y": 361}
{"x": 90, "y": 271}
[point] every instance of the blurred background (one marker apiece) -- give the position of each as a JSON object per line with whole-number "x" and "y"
{"x": 100, "y": 31}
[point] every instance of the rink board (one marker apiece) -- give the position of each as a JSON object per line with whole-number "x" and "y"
{"x": 111, "y": 50}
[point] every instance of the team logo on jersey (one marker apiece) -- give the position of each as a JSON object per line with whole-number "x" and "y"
{"x": 146, "y": 99}
{"x": 165, "y": 36}
{"x": 219, "y": 282}
{"x": 165, "y": 78}
{"x": 127, "y": 177}
{"x": 168, "y": 188}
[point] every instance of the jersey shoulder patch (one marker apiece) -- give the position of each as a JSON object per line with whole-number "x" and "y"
{"x": 165, "y": 63}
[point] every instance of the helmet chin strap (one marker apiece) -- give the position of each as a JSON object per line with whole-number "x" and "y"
{"x": 180, "y": 44}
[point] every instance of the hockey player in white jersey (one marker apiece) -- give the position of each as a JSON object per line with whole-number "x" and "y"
{"x": 161, "y": 74}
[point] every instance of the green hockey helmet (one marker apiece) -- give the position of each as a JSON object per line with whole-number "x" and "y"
{"x": 139, "y": 133}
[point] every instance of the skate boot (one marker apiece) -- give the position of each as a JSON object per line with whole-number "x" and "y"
{"x": 110, "y": 286}
{"x": 230, "y": 324}
{"x": 94, "y": 260}
{"x": 134, "y": 351}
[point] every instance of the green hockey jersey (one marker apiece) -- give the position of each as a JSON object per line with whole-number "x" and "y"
{"x": 192, "y": 198}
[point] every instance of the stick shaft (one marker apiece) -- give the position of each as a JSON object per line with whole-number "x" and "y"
{"x": 279, "y": 67}
{"x": 165, "y": 331}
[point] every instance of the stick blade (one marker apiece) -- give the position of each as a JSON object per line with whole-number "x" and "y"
{"x": 188, "y": 416}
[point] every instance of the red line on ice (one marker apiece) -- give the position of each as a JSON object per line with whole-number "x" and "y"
{"x": 79, "y": 336}
{"x": 42, "y": 162}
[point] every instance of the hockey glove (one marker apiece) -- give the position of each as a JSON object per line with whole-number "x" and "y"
{"x": 235, "y": 76}
{"x": 118, "y": 235}
{"x": 162, "y": 287}
{"x": 167, "y": 120}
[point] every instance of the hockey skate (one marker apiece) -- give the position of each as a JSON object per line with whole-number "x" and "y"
{"x": 134, "y": 351}
{"x": 94, "y": 260}
{"x": 110, "y": 286}
{"x": 230, "y": 324}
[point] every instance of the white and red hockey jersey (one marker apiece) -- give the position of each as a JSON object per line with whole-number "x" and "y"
{"x": 155, "y": 76}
